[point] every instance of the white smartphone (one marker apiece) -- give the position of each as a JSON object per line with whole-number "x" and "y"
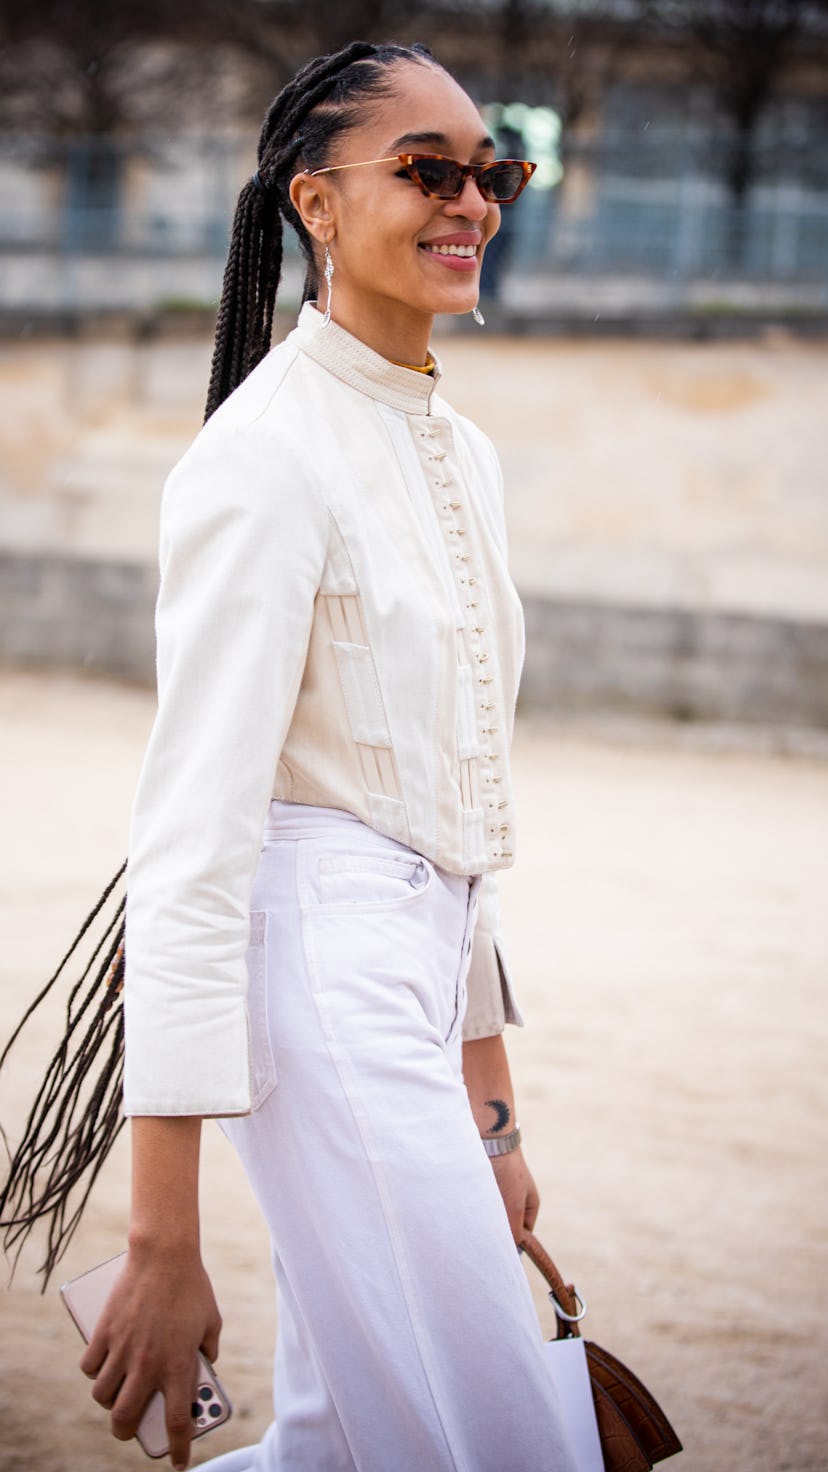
{"x": 85, "y": 1298}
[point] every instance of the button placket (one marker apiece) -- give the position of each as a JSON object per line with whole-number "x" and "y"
{"x": 447, "y": 498}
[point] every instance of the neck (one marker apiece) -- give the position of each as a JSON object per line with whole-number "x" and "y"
{"x": 399, "y": 334}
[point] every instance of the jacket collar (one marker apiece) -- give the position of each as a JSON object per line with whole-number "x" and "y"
{"x": 355, "y": 363}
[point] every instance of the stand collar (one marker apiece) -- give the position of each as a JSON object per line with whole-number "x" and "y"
{"x": 358, "y": 365}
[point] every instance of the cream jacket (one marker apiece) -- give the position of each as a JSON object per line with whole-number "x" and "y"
{"x": 336, "y": 626}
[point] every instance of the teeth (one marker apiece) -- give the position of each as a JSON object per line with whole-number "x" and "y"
{"x": 452, "y": 250}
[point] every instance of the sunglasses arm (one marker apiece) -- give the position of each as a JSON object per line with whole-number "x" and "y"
{"x": 363, "y": 164}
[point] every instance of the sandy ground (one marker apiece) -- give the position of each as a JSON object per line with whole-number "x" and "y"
{"x": 669, "y": 940}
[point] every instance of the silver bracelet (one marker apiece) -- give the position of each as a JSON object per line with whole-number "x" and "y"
{"x": 502, "y": 1144}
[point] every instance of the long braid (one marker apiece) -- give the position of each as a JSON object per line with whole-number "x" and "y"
{"x": 254, "y": 263}
{"x": 75, "y": 1117}
{"x": 77, "y": 1112}
{"x": 299, "y": 127}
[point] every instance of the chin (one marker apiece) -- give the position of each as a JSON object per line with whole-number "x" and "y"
{"x": 452, "y": 298}
{"x": 456, "y": 310}
{"x": 453, "y": 305}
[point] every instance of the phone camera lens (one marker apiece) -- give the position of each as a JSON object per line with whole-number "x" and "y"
{"x": 215, "y": 1409}
{"x": 205, "y": 1393}
{"x": 195, "y": 1410}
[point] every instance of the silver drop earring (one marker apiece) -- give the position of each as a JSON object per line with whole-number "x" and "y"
{"x": 329, "y": 272}
{"x": 478, "y": 317}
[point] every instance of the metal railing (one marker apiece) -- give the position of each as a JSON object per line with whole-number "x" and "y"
{"x": 651, "y": 207}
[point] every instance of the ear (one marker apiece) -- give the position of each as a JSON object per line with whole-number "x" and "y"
{"x": 311, "y": 198}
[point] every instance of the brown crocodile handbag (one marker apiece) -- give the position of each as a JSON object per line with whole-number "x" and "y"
{"x": 632, "y": 1427}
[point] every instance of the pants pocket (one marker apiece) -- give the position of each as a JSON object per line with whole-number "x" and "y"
{"x": 262, "y": 1065}
{"x": 370, "y": 881}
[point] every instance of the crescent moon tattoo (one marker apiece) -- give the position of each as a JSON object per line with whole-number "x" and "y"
{"x": 503, "y": 1112}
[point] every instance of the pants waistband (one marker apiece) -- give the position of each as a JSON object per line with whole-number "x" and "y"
{"x": 295, "y": 820}
{"x": 288, "y": 822}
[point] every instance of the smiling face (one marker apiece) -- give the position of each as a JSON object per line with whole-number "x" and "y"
{"x": 400, "y": 257}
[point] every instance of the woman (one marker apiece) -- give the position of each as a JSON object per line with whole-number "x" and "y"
{"x": 324, "y": 803}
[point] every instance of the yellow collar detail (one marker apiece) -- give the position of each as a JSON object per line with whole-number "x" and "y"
{"x": 427, "y": 367}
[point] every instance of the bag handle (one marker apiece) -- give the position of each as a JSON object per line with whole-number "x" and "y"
{"x": 633, "y": 1428}
{"x": 566, "y": 1300}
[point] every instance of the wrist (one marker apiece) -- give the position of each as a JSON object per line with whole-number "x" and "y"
{"x": 495, "y": 1145}
{"x": 150, "y": 1240}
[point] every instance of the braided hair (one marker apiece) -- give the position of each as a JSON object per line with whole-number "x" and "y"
{"x": 77, "y": 1111}
{"x": 320, "y": 104}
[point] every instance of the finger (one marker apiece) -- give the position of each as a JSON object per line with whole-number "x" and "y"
{"x": 210, "y": 1343}
{"x": 530, "y": 1214}
{"x": 92, "y": 1358}
{"x": 128, "y": 1407}
{"x": 516, "y": 1221}
{"x": 108, "y": 1385}
{"x": 123, "y": 1430}
{"x": 179, "y": 1418}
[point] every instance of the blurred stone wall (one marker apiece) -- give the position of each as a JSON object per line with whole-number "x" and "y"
{"x": 667, "y": 508}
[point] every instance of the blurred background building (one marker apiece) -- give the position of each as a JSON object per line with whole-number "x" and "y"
{"x": 682, "y": 144}
{"x": 668, "y": 501}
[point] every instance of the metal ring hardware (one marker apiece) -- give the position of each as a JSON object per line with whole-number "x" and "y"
{"x": 562, "y": 1314}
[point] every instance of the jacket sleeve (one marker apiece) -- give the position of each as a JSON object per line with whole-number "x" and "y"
{"x": 491, "y": 1003}
{"x": 243, "y": 543}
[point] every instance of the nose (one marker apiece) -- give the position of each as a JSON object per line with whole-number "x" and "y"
{"x": 469, "y": 202}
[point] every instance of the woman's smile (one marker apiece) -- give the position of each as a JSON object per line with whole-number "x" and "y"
{"x": 458, "y": 251}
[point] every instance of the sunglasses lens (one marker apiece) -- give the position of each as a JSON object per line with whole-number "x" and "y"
{"x": 502, "y": 181}
{"x": 439, "y": 177}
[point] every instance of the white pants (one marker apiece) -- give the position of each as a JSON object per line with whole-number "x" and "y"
{"x": 407, "y": 1337}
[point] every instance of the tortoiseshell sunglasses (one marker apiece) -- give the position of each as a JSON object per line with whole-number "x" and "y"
{"x": 443, "y": 178}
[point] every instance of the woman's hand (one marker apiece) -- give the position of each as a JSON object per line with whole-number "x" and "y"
{"x": 491, "y": 1096}
{"x": 519, "y": 1192}
{"x": 159, "y": 1314}
{"x": 162, "y": 1309}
